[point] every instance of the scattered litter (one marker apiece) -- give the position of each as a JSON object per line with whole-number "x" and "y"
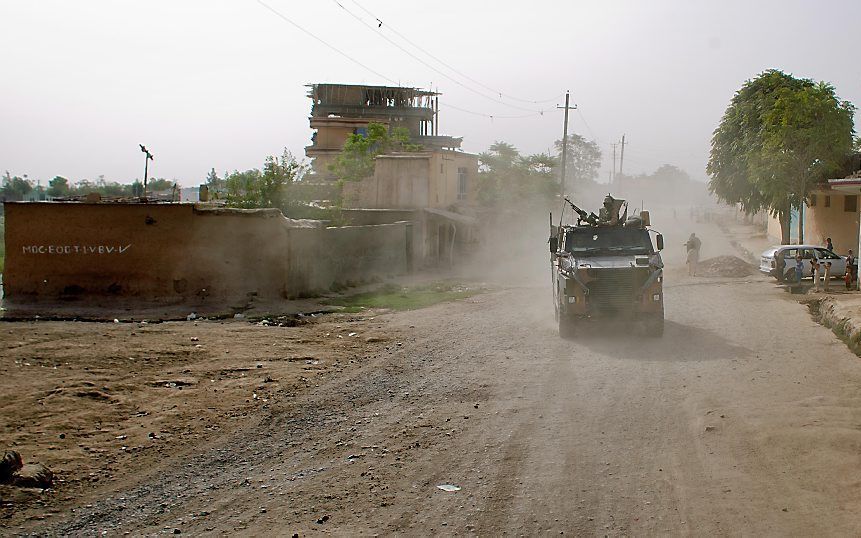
{"x": 238, "y": 316}
{"x": 195, "y": 339}
{"x": 353, "y": 334}
{"x": 191, "y": 317}
{"x": 121, "y": 437}
{"x": 116, "y": 320}
{"x": 448, "y": 487}
{"x": 322, "y": 520}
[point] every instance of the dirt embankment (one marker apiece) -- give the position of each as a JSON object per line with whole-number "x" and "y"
{"x": 94, "y": 401}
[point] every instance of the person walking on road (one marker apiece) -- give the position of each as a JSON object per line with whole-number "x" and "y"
{"x": 827, "y": 274}
{"x": 693, "y": 245}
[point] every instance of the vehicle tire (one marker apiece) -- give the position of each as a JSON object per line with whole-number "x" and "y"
{"x": 567, "y": 327}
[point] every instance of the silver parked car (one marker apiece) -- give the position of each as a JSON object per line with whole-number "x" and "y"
{"x": 779, "y": 261}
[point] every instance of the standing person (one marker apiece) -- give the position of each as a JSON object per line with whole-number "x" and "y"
{"x": 799, "y": 268}
{"x": 851, "y": 269}
{"x": 814, "y": 271}
{"x": 827, "y": 275}
{"x": 780, "y": 265}
{"x": 693, "y": 245}
{"x": 828, "y": 244}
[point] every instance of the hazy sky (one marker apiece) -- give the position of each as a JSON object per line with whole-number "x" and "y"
{"x": 218, "y": 83}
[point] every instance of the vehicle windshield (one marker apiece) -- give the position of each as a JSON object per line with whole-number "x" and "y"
{"x": 614, "y": 239}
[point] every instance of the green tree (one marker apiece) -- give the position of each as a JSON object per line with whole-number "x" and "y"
{"x": 778, "y": 138}
{"x": 583, "y": 158}
{"x": 508, "y": 178}
{"x": 58, "y": 187}
{"x": 215, "y": 183}
{"x": 670, "y": 175}
{"x": 356, "y": 160}
{"x": 159, "y": 184}
{"x": 269, "y": 188}
{"x": 15, "y": 188}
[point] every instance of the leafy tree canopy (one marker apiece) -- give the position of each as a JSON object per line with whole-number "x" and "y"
{"x": 356, "y": 160}
{"x": 508, "y": 178}
{"x": 778, "y": 138}
{"x": 267, "y": 188}
{"x": 58, "y": 187}
{"x": 583, "y": 158}
{"x": 15, "y": 188}
{"x": 214, "y": 182}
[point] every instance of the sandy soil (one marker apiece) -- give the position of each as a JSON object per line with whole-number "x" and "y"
{"x": 743, "y": 419}
{"x": 100, "y": 401}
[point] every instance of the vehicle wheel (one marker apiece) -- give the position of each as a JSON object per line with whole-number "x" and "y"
{"x": 567, "y": 327}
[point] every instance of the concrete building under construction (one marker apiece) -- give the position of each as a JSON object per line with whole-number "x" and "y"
{"x": 434, "y": 188}
{"x": 340, "y": 110}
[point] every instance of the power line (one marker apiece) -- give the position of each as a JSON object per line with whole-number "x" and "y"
{"x": 360, "y": 64}
{"x": 428, "y": 65}
{"x": 586, "y": 123}
{"x": 441, "y": 62}
{"x": 493, "y": 116}
{"x": 342, "y": 53}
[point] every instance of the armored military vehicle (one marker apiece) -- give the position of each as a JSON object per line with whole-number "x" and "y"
{"x": 605, "y": 267}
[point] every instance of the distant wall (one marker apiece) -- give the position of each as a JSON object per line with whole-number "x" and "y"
{"x": 359, "y": 217}
{"x": 834, "y": 221}
{"x": 348, "y": 255}
{"x": 184, "y": 253}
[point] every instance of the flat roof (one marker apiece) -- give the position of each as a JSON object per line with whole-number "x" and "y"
{"x": 846, "y": 184}
{"x": 415, "y": 91}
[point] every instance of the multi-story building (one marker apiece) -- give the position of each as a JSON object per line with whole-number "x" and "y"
{"x": 340, "y": 110}
{"x": 434, "y": 187}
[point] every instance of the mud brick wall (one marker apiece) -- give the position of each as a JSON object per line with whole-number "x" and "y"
{"x": 180, "y": 253}
{"x": 320, "y": 259}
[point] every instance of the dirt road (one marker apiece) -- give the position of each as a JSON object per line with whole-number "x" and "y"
{"x": 744, "y": 419}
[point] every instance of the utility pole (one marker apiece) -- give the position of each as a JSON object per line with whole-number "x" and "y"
{"x": 613, "y": 177}
{"x": 565, "y": 141}
{"x": 146, "y": 166}
{"x": 622, "y": 157}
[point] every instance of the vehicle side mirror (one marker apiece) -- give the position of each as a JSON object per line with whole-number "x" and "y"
{"x": 554, "y": 244}
{"x": 660, "y": 241}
